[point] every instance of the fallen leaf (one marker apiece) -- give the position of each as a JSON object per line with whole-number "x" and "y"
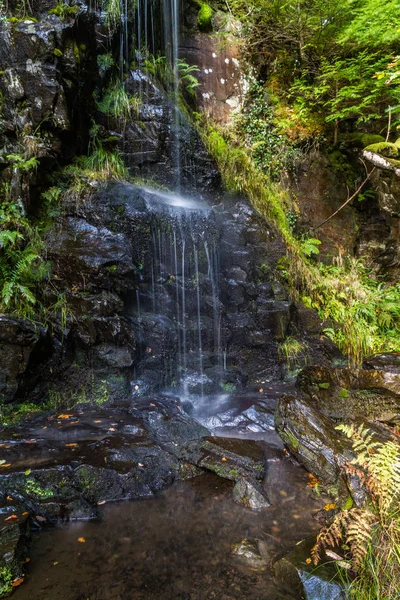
{"x": 40, "y": 519}
{"x": 64, "y": 416}
{"x": 329, "y": 507}
{"x": 25, "y": 513}
{"x": 140, "y": 465}
{"x": 111, "y": 429}
{"x": 17, "y": 582}
{"x": 73, "y": 445}
{"x": 2, "y": 462}
{"x": 28, "y": 472}
{"x": 6, "y": 465}
{"x": 9, "y": 498}
{"x": 224, "y": 459}
{"x": 55, "y": 563}
{"x": 308, "y": 561}
{"x": 101, "y": 502}
{"x": 98, "y": 421}
{"x": 81, "y": 540}
{"x": 11, "y": 518}
{"x": 27, "y": 559}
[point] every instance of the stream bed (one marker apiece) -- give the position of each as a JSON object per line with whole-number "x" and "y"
{"x": 185, "y": 542}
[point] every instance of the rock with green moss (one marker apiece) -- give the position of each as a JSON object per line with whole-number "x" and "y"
{"x": 384, "y": 149}
{"x": 361, "y": 140}
{"x": 205, "y": 17}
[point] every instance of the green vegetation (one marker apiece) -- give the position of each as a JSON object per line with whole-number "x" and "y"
{"x": 64, "y": 10}
{"x": 21, "y": 264}
{"x": 117, "y": 103}
{"x": 34, "y": 488}
{"x": 12, "y": 415}
{"x": 337, "y": 59}
{"x": 6, "y": 579}
{"x": 161, "y": 70}
{"x": 364, "y": 311}
{"x": 290, "y": 350}
{"x": 205, "y": 16}
{"x": 368, "y": 538}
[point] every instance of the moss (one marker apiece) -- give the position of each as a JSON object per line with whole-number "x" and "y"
{"x": 384, "y": 149}
{"x": 21, "y": 19}
{"x": 57, "y": 52}
{"x": 205, "y": 16}
{"x": 324, "y": 386}
{"x": 6, "y": 579}
{"x": 64, "y": 10}
{"x": 290, "y": 440}
{"x": 361, "y": 140}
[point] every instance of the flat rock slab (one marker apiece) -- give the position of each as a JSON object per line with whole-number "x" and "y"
{"x": 230, "y": 458}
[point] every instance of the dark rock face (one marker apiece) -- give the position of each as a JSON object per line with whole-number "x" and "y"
{"x": 18, "y": 340}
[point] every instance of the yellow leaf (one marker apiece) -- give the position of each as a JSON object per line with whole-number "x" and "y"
{"x": 308, "y": 561}
{"x": 81, "y": 540}
{"x": 64, "y": 416}
{"x": 17, "y": 582}
{"x": 73, "y": 445}
{"x": 329, "y": 507}
{"x": 224, "y": 459}
{"x": 11, "y": 518}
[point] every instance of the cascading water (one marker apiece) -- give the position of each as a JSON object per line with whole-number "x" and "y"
{"x": 177, "y": 305}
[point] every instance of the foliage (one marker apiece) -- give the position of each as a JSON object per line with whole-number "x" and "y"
{"x": 21, "y": 264}
{"x": 117, "y": 103}
{"x": 205, "y": 16}
{"x": 64, "y": 10}
{"x": 102, "y": 165}
{"x": 309, "y": 246}
{"x": 22, "y": 163}
{"x": 338, "y": 58}
{"x": 368, "y": 538}
{"x": 6, "y": 579}
{"x": 256, "y": 125}
{"x": 105, "y": 62}
{"x": 159, "y": 68}
{"x": 364, "y": 312}
{"x": 290, "y": 349}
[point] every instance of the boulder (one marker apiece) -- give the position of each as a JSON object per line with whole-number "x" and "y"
{"x": 347, "y": 394}
{"x": 298, "y": 576}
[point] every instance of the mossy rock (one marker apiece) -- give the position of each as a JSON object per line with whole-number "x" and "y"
{"x": 361, "y": 140}
{"x": 205, "y": 17}
{"x": 384, "y": 149}
{"x": 397, "y": 143}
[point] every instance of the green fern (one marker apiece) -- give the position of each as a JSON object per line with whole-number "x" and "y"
{"x": 369, "y": 538}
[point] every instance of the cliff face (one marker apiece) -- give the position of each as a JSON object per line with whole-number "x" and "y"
{"x": 102, "y": 249}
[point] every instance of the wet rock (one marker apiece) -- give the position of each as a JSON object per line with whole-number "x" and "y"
{"x": 305, "y": 581}
{"x": 18, "y": 338}
{"x": 15, "y": 538}
{"x": 114, "y": 356}
{"x": 230, "y": 458}
{"x": 312, "y": 438}
{"x": 346, "y": 394}
{"x": 80, "y": 249}
{"x": 251, "y": 494}
{"x": 167, "y": 422}
{"x": 389, "y": 362}
{"x": 249, "y": 550}
{"x": 79, "y": 510}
